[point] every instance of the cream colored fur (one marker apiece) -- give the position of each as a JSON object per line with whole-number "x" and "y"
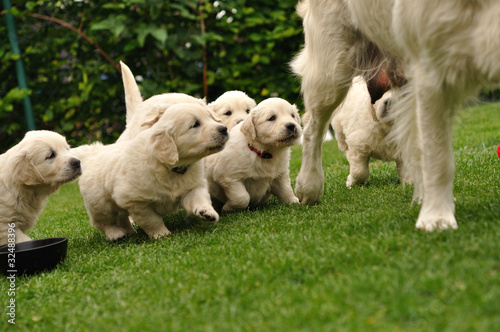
{"x": 155, "y": 173}
{"x": 362, "y": 131}
{"x": 447, "y": 49}
{"x": 143, "y": 114}
{"x": 232, "y": 107}
{"x": 237, "y": 176}
{"x": 29, "y": 172}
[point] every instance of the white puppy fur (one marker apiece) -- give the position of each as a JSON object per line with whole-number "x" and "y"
{"x": 156, "y": 173}
{"x": 243, "y": 174}
{"x": 143, "y": 114}
{"x": 445, "y": 49}
{"x": 232, "y": 107}
{"x": 362, "y": 129}
{"x": 29, "y": 172}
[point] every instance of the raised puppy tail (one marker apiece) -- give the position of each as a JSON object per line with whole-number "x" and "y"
{"x": 132, "y": 93}
{"x": 406, "y": 136}
{"x": 84, "y": 151}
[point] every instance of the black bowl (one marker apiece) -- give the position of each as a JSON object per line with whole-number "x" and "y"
{"x": 33, "y": 256}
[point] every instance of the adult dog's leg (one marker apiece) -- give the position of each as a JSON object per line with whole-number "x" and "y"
{"x": 320, "y": 101}
{"x": 435, "y": 111}
{"x": 326, "y": 65}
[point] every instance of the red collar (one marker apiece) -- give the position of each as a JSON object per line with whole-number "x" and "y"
{"x": 263, "y": 155}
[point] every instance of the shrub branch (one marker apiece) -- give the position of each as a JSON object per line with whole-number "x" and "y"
{"x": 79, "y": 32}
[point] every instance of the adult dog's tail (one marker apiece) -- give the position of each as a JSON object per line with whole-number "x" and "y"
{"x": 132, "y": 94}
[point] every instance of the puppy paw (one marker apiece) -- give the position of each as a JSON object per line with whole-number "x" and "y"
{"x": 21, "y": 237}
{"x": 114, "y": 233}
{"x": 293, "y": 200}
{"x": 160, "y": 234}
{"x": 349, "y": 182}
{"x": 228, "y": 207}
{"x": 353, "y": 181}
{"x": 156, "y": 230}
{"x": 208, "y": 214}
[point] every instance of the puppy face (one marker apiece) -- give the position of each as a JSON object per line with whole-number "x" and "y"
{"x": 187, "y": 132}
{"x": 43, "y": 158}
{"x": 232, "y": 107}
{"x": 273, "y": 122}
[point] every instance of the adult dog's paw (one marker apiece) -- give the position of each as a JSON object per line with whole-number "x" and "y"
{"x": 309, "y": 188}
{"x": 431, "y": 221}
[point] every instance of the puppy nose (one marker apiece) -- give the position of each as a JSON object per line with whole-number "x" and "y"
{"x": 223, "y": 130}
{"x": 75, "y": 163}
{"x": 291, "y": 127}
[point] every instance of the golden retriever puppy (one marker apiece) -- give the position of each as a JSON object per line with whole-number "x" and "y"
{"x": 362, "y": 129}
{"x": 438, "y": 52}
{"x": 255, "y": 162}
{"x": 155, "y": 173}
{"x": 143, "y": 114}
{"x": 29, "y": 172}
{"x": 232, "y": 107}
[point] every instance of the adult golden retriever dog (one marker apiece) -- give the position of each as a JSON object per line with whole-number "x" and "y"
{"x": 445, "y": 50}
{"x": 29, "y": 172}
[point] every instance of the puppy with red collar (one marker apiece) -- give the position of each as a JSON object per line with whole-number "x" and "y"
{"x": 255, "y": 162}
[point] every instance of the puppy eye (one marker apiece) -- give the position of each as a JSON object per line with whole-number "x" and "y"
{"x": 196, "y": 124}
{"x": 52, "y": 155}
{"x": 272, "y": 118}
{"x": 248, "y": 111}
{"x": 228, "y": 113}
{"x": 293, "y": 116}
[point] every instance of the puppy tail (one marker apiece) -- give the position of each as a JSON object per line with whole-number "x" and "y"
{"x": 132, "y": 93}
{"x": 84, "y": 151}
{"x": 406, "y": 136}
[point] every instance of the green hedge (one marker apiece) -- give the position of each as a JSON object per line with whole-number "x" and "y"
{"x": 77, "y": 92}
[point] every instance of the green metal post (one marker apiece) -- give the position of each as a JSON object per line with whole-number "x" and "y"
{"x": 21, "y": 75}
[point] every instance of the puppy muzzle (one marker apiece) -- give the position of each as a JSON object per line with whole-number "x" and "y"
{"x": 220, "y": 139}
{"x": 291, "y": 134}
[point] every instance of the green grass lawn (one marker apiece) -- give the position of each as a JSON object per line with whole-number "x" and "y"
{"x": 353, "y": 262}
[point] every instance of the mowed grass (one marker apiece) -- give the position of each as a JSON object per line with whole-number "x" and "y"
{"x": 354, "y": 262}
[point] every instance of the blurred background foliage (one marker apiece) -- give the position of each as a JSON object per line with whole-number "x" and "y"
{"x": 244, "y": 45}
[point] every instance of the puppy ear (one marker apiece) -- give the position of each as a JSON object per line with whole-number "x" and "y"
{"x": 149, "y": 122}
{"x": 25, "y": 172}
{"x": 214, "y": 115}
{"x": 248, "y": 127}
{"x": 163, "y": 147}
